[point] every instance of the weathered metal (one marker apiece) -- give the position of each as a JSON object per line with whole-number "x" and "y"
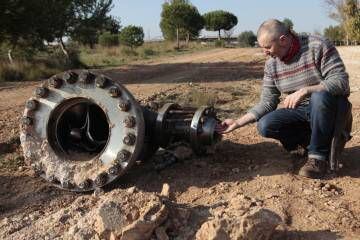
{"x": 82, "y": 131}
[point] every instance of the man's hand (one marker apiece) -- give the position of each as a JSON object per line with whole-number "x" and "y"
{"x": 226, "y": 126}
{"x": 293, "y": 100}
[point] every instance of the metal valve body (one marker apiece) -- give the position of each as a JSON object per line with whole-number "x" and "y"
{"x": 81, "y": 131}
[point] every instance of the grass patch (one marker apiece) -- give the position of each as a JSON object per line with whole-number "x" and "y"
{"x": 101, "y": 57}
{"x": 11, "y": 161}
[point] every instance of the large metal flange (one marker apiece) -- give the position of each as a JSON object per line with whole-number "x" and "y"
{"x": 202, "y": 129}
{"x": 76, "y": 136}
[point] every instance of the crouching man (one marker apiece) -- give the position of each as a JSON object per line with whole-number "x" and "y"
{"x": 310, "y": 71}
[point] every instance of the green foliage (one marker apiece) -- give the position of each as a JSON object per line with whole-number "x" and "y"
{"x": 129, "y": 52}
{"x": 288, "y": 23}
{"x": 352, "y": 21}
{"x": 108, "y": 39}
{"x": 149, "y": 52}
{"x": 219, "y": 43}
{"x": 34, "y": 21}
{"x": 180, "y": 19}
{"x": 334, "y": 33}
{"x": 247, "y": 39}
{"x": 219, "y": 20}
{"x": 132, "y": 36}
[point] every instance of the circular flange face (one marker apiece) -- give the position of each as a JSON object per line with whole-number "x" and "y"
{"x": 78, "y": 137}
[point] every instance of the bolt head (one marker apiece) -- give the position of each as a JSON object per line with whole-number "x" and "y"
{"x": 101, "y": 179}
{"x": 114, "y": 170}
{"x": 130, "y": 122}
{"x": 129, "y": 139}
{"x": 32, "y": 105}
{"x": 124, "y": 155}
{"x": 26, "y": 121}
{"x": 114, "y": 91}
{"x": 124, "y": 105}
{"x": 85, "y": 184}
{"x": 85, "y": 77}
{"x": 101, "y": 81}
{"x": 70, "y": 77}
{"x": 55, "y": 82}
{"x": 67, "y": 184}
{"x": 41, "y": 92}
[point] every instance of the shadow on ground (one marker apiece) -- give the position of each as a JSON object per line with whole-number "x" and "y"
{"x": 187, "y": 72}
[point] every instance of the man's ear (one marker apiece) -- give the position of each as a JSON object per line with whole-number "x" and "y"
{"x": 282, "y": 39}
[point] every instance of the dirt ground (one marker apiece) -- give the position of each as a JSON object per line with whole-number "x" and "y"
{"x": 244, "y": 165}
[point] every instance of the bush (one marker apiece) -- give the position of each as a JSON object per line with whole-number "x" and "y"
{"x": 129, "y": 52}
{"x": 132, "y": 36}
{"x": 247, "y": 39}
{"x": 219, "y": 43}
{"x": 149, "y": 52}
{"x": 109, "y": 40}
{"x": 11, "y": 72}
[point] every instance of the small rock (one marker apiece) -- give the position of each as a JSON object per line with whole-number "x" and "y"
{"x": 98, "y": 192}
{"x": 21, "y": 168}
{"x": 327, "y": 187}
{"x": 131, "y": 190}
{"x": 165, "y": 192}
{"x": 212, "y": 230}
{"x": 308, "y": 192}
{"x": 183, "y": 153}
{"x": 258, "y": 224}
{"x": 110, "y": 218}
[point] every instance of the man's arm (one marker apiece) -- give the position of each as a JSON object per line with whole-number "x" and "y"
{"x": 292, "y": 100}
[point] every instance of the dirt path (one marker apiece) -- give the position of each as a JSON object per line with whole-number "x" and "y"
{"x": 244, "y": 164}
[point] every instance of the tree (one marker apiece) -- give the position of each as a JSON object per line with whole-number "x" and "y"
{"x": 107, "y": 39}
{"x": 180, "y": 19}
{"x": 132, "y": 36}
{"x": 352, "y": 20}
{"x": 31, "y": 22}
{"x": 219, "y": 20}
{"x": 90, "y": 17}
{"x": 346, "y": 12}
{"x": 334, "y": 33}
{"x": 288, "y": 23}
{"x": 247, "y": 39}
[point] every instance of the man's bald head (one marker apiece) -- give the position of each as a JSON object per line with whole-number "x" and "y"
{"x": 272, "y": 29}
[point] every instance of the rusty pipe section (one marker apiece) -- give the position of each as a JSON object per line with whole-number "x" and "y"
{"x": 82, "y": 130}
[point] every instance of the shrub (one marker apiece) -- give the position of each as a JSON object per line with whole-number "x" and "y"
{"x": 132, "y": 36}
{"x": 247, "y": 39}
{"x": 109, "y": 40}
{"x": 129, "y": 52}
{"x": 149, "y": 52}
{"x": 219, "y": 43}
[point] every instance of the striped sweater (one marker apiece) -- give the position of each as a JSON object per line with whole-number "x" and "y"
{"x": 316, "y": 62}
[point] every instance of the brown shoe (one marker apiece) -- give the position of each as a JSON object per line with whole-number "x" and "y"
{"x": 313, "y": 168}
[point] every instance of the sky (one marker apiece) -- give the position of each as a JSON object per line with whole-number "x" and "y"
{"x": 306, "y": 15}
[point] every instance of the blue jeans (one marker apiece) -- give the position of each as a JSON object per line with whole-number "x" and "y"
{"x": 310, "y": 125}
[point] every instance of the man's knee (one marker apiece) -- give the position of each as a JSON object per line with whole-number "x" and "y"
{"x": 322, "y": 100}
{"x": 264, "y": 126}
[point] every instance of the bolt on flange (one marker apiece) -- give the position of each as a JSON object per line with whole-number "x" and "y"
{"x": 70, "y": 77}
{"x": 55, "y": 82}
{"x": 32, "y": 104}
{"x": 41, "y": 92}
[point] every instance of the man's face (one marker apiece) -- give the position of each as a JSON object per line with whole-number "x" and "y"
{"x": 274, "y": 47}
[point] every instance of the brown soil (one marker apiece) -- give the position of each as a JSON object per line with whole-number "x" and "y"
{"x": 244, "y": 164}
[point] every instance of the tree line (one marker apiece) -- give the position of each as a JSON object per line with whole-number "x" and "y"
{"x": 347, "y": 14}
